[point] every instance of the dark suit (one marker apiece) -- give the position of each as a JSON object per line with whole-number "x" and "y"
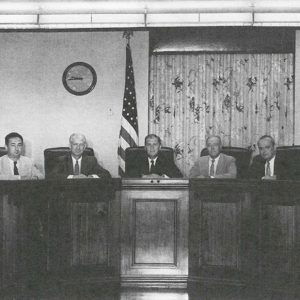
{"x": 89, "y": 166}
{"x": 281, "y": 169}
{"x": 162, "y": 166}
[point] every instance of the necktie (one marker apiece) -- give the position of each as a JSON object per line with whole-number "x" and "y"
{"x": 76, "y": 170}
{"x": 152, "y": 167}
{"x": 212, "y": 168}
{"x": 16, "y": 171}
{"x": 268, "y": 169}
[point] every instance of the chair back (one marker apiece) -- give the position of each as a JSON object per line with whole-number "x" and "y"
{"x": 51, "y": 154}
{"x": 132, "y": 153}
{"x": 291, "y": 156}
{"x": 242, "y": 156}
{"x": 3, "y": 151}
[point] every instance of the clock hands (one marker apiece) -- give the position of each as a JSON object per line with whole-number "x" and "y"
{"x": 75, "y": 78}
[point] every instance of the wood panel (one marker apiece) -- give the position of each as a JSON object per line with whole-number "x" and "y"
{"x": 222, "y": 234}
{"x": 155, "y": 226}
{"x": 279, "y": 238}
{"x": 154, "y": 231}
{"x": 81, "y": 234}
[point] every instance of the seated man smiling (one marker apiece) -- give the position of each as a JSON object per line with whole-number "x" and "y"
{"x": 77, "y": 165}
{"x": 153, "y": 163}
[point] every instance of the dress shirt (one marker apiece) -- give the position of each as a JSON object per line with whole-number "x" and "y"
{"x": 149, "y": 162}
{"x": 25, "y": 165}
{"x": 272, "y": 160}
{"x": 215, "y": 163}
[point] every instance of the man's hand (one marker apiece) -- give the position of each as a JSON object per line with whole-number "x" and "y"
{"x": 269, "y": 177}
{"x": 151, "y": 176}
{"x": 79, "y": 176}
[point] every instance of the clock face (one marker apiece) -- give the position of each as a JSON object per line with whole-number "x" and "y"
{"x": 79, "y": 78}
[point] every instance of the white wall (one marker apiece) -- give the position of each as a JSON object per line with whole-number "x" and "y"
{"x": 34, "y": 102}
{"x": 297, "y": 88}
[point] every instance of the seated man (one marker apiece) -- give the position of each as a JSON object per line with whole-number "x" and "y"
{"x": 216, "y": 164}
{"x": 77, "y": 165}
{"x": 13, "y": 165}
{"x": 267, "y": 165}
{"x": 152, "y": 163}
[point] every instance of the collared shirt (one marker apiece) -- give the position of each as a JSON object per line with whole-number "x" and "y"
{"x": 25, "y": 165}
{"x": 149, "y": 162}
{"x": 216, "y": 160}
{"x": 74, "y": 162}
{"x": 272, "y": 160}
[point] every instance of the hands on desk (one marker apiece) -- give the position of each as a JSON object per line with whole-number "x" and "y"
{"x": 154, "y": 176}
{"x": 267, "y": 177}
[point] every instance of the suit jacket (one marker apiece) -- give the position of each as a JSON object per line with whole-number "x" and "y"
{"x": 281, "y": 168}
{"x": 226, "y": 167}
{"x": 162, "y": 166}
{"x": 25, "y": 166}
{"x": 89, "y": 166}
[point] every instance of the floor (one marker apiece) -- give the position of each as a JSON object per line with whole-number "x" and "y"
{"x": 204, "y": 293}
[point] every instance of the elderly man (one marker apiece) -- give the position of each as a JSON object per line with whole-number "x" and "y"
{"x": 77, "y": 165}
{"x": 215, "y": 164}
{"x": 267, "y": 165}
{"x": 153, "y": 163}
{"x": 14, "y": 165}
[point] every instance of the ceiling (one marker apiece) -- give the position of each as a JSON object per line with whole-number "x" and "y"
{"x": 54, "y": 14}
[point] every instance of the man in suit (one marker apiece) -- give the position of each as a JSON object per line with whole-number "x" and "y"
{"x": 77, "y": 165}
{"x": 153, "y": 163}
{"x": 215, "y": 164}
{"x": 267, "y": 165}
{"x": 14, "y": 165}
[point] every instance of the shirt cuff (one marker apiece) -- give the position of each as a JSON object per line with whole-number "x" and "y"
{"x": 95, "y": 176}
{"x": 70, "y": 177}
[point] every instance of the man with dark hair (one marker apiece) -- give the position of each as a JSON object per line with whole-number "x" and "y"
{"x": 267, "y": 165}
{"x": 14, "y": 165}
{"x": 77, "y": 165}
{"x": 215, "y": 164}
{"x": 153, "y": 163}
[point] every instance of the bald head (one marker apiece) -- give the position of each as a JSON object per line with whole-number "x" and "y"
{"x": 77, "y": 144}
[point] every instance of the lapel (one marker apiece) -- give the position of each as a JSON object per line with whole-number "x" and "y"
{"x": 145, "y": 165}
{"x": 206, "y": 166}
{"x": 70, "y": 164}
{"x": 220, "y": 165}
{"x": 85, "y": 166}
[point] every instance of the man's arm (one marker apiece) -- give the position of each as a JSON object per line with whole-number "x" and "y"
{"x": 171, "y": 170}
{"x": 35, "y": 172}
{"x": 195, "y": 170}
{"x": 230, "y": 172}
{"x": 97, "y": 169}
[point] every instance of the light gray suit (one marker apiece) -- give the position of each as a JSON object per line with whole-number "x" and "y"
{"x": 226, "y": 167}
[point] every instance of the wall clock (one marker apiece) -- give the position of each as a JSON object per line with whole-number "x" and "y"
{"x": 79, "y": 78}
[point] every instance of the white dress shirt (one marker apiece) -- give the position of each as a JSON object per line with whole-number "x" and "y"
{"x": 149, "y": 162}
{"x": 26, "y": 168}
{"x": 272, "y": 160}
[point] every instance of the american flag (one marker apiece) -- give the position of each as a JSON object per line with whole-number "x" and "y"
{"x": 129, "y": 134}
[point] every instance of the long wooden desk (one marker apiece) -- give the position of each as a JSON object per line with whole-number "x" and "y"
{"x": 147, "y": 233}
